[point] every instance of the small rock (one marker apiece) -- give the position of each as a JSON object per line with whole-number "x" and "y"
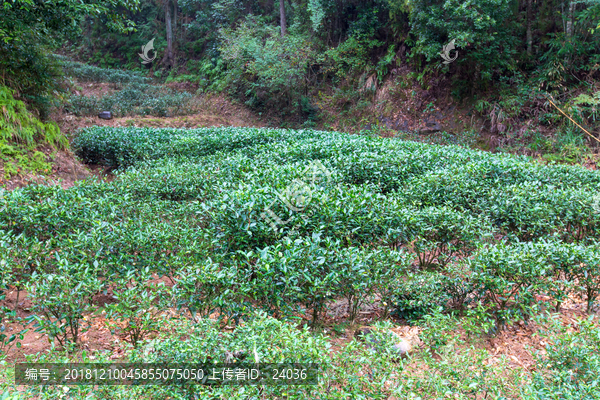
{"x": 402, "y": 347}
{"x": 431, "y": 127}
{"x": 362, "y": 332}
{"x": 105, "y": 115}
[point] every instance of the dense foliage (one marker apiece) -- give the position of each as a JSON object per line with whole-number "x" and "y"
{"x": 21, "y": 133}
{"x": 30, "y": 28}
{"x": 326, "y": 40}
{"x": 214, "y": 193}
{"x": 133, "y": 99}
{"x": 292, "y": 56}
{"x": 290, "y": 223}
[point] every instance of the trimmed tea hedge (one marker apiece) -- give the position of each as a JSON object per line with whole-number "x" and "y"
{"x": 378, "y": 219}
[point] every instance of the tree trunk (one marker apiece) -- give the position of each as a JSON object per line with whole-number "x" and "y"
{"x": 282, "y": 17}
{"x": 529, "y": 24}
{"x": 169, "y": 55}
{"x": 570, "y": 16}
{"x": 175, "y": 5}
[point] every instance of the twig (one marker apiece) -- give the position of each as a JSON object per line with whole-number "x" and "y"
{"x": 571, "y": 119}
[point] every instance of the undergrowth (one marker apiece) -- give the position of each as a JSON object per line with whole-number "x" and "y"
{"x": 21, "y": 133}
{"x": 89, "y": 73}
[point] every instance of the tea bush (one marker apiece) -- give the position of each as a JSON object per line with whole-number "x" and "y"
{"x": 89, "y": 73}
{"x": 512, "y": 276}
{"x": 569, "y": 368}
{"x": 293, "y": 223}
{"x": 419, "y": 295}
{"x": 208, "y": 287}
{"x": 268, "y": 340}
{"x": 312, "y": 271}
{"x": 60, "y": 300}
{"x": 138, "y": 307}
{"x": 133, "y": 99}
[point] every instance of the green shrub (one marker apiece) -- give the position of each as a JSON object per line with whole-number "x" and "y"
{"x": 569, "y": 367}
{"x": 419, "y": 295}
{"x": 365, "y": 273}
{"x": 441, "y": 234}
{"x": 138, "y": 308}
{"x": 60, "y": 300}
{"x": 261, "y": 339}
{"x": 512, "y": 276}
{"x": 265, "y": 69}
{"x": 184, "y": 196}
{"x": 312, "y": 271}
{"x": 457, "y": 367}
{"x": 205, "y": 288}
{"x": 7, "y": 339}
{"x": 57, "y": 211}
{"x": 18, "y": 125}
{"x": 293, "y": 273}
{"x": 26, "y": 67}
{"x": 175, "y": 180}
{"x": 21, "y": 258}
{"x": 531, "y": 211}
{"x": 581, "y": 269}
{"x": 89, "y": 73}
{"x": 378, "y": 169}
{"x": 486, "y": 26}
{"x": 187, "y": 205}
{"x": 268, "y": 340}
{"x": 133, "y": 99}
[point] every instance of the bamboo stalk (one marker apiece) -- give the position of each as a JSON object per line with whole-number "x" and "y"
{"x": 571, "y": 119}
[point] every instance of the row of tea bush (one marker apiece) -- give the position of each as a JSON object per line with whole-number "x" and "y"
{"x": 411, "y": 228}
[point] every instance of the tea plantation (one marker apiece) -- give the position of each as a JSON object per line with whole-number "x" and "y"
{"x": 263, "y": 229}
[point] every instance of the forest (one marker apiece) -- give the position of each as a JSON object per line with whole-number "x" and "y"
{"x": 384, "y": 199}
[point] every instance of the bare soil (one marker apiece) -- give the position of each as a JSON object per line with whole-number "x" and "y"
{"x": 213, "y": 110}
{"x": 517, "y": 343}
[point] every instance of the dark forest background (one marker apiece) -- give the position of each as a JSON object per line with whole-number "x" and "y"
{"x": 295, "y": 57}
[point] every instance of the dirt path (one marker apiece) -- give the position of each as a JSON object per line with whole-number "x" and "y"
{"x": 214, "y": 110}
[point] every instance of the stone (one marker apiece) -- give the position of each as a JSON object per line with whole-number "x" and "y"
{"x": 431, "y": 127}
{"x": 402, "y": 347}
{"x": 105, "y": 115}
{"x": 362, "y": 332}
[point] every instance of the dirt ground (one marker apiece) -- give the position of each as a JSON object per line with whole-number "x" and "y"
{"x": 212, "y": 110}
{"x": 517, "y": 342}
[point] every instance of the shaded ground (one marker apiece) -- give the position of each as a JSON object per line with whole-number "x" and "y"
{"x": 517, "y": 342}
